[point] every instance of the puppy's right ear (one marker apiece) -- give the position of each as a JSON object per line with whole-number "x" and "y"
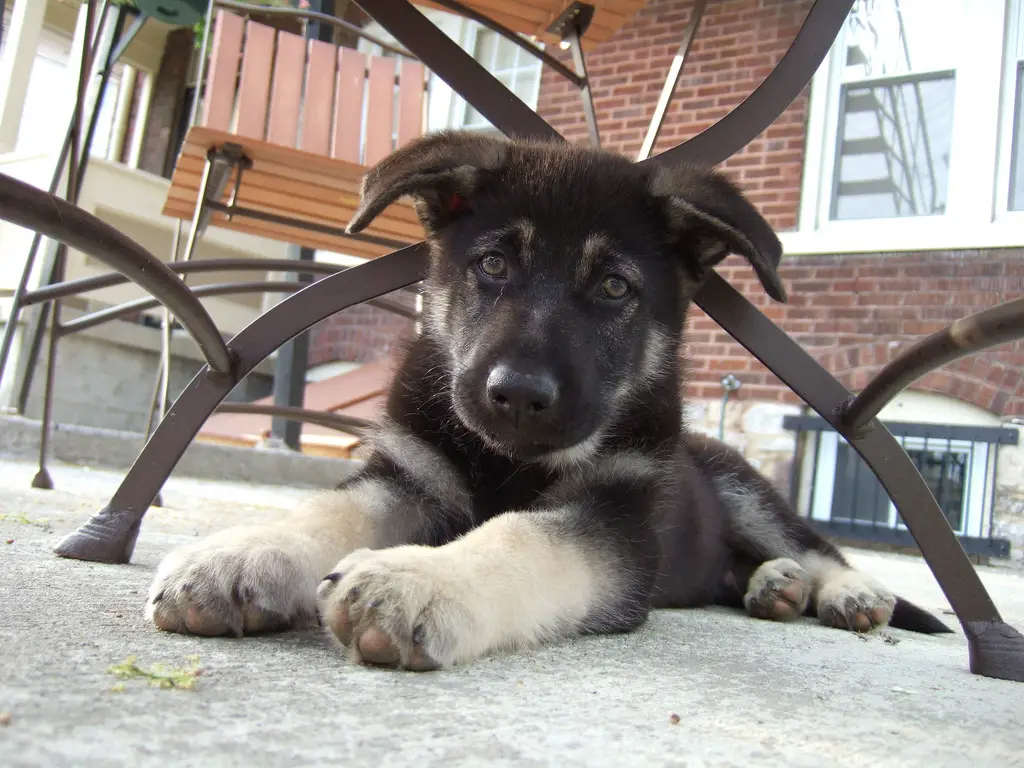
{"x": 440, "y": 170}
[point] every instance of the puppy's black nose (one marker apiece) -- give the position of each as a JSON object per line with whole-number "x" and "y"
{"x": 521, "y": 394}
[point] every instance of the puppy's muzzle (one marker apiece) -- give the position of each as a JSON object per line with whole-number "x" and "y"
{"x": 523, "y": 396}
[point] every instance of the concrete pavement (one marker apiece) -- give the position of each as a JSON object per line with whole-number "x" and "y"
{"x": 704, "y": 687}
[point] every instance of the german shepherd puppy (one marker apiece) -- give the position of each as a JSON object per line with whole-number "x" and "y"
{"x": 533, "y": 476}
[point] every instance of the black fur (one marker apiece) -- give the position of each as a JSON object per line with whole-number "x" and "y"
{"x": 513, "y": 372}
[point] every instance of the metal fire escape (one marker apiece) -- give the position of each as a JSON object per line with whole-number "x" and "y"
{"x": 902, "y": 140}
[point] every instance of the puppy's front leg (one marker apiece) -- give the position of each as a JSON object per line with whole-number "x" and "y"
{"x": 250, "y": 579}
{"x": 519, "y": 579}
{"x": 260, "y": 578}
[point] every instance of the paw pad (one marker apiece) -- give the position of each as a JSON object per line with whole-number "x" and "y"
{"x": 855, "y": 602}
{"x": 778, "y": 591}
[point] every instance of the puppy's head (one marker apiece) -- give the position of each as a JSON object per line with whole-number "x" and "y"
{"x": 560, "y": 276}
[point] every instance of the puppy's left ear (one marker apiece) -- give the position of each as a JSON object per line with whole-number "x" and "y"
{"x": 710, "y": 218}
{"x": 441, "y": 171}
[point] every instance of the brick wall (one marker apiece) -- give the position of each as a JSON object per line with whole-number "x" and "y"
{"x": 854, "y": 312}
{"x": 362, "y": 333}
{"x": 738, "y": 44}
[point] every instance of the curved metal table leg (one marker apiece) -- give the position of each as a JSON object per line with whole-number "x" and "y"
{"x": 109, "y": 536}
{"x": 996, "y": 648}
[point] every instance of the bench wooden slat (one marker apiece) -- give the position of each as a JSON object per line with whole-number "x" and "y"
{"x": 348, "y": 105}
{"x": 254, "y": 86}
{"x": 286, "y": 98}
{"x": 319, "y": 100}
{"x": 293, "y": 235}
{"x": 219, "y": 101}
{"x": 380, "y": 110}
{"x": 289, "y": 182}
{"x": 287, "y": 197}
{"x": 324, "y": 169}
{"x": 411, "y": 80}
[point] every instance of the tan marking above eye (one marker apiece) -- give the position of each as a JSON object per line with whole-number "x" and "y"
{"x": 590, "y": 253}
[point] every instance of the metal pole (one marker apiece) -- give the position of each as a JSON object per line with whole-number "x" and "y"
{"x": 580, "y": 62}
{"x": 164, "y": 387}
{"x": 668, "y": 90}
{"x": 292, "y": 361}
{"x": 76, "y": 162}
{"x": 162, "y": 392}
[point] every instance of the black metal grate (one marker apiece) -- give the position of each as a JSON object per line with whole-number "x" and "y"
{"x": 957, "y": 463}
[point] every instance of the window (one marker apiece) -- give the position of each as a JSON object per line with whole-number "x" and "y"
{"x": 1014, "y": 77}
{"x": 515, "y": 68}
{"x": 898, "y": 84}
{"x": 44, "y": 118}
{"x": 913, "y": 126}
{"x": 842, "y": 496}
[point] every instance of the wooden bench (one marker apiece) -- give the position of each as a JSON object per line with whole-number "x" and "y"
{"x": 301, "y": 120}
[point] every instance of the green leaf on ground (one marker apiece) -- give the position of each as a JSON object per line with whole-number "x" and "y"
{"x": 159, "y": 674}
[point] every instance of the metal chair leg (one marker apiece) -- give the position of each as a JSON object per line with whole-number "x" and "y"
{"x": 586, "y": 94}
{"x": 161, "y": 390}
{"x": 42, "y": 478}
{"x": 213, "y": 183}
{"x": 158, "y": 500}
{"x": 109, "y": 535}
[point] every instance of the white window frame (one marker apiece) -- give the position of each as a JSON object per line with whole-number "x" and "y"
{"x": 976, "y": 213}
{"x": 979, "y": 482}
{"x": 112, "y": 132}
{"x": 1014, "y": 45}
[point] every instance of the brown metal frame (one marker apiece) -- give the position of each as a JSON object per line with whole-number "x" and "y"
{"x": 996, "y": 649}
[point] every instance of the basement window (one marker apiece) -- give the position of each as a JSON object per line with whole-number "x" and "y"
{"x": 842, "y": 497}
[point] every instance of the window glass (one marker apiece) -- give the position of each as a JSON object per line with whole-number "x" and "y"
{"x": 896, "y": 101}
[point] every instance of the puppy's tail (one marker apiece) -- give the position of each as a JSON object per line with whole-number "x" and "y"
{"x": 908, "y": 616}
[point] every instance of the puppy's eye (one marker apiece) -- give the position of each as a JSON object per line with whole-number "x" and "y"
{"x": 614, "y": 287}
{"x": 493, "y": 265}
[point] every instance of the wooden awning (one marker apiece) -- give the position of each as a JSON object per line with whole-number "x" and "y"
{"x": 533, "y": 17}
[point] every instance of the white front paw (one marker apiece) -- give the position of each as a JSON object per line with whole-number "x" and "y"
{"x": 849, "y": 599}
{"x": 779, "y": 590}
{"x": 239, "y": 581}
{"x": 402, "y": 607}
